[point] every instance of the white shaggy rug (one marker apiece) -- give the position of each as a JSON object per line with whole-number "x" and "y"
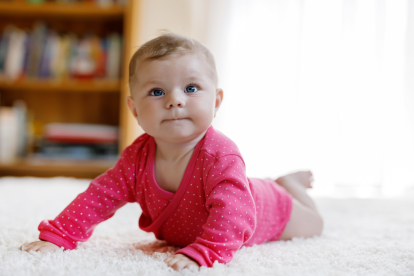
{"x": 361, "y": 237}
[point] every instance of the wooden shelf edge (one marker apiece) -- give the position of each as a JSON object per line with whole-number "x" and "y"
{"x": 61, "y": 9}
{"x": 69, "y": 85}
{"x": 56, "y": 167}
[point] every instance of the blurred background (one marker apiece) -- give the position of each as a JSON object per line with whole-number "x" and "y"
{"x": 324, "y": 85}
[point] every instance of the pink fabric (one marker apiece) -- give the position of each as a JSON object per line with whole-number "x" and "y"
{"x": 214, "y": 212}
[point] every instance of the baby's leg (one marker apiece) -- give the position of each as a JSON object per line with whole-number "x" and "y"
{"x": 305, "y": 220}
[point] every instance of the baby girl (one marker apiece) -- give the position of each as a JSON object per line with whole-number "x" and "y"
{"x": 189, "y": 178}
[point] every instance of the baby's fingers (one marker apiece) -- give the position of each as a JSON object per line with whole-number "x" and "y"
{"x": 47, "y": 247}
{"x": 29, "y": 247}
{"x": 171, "y": 261}
{"x": 192, "y": 267}
{"x": 39, "y": 247}
{"x": 181, "y": 264}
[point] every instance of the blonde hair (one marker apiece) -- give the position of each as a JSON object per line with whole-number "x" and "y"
{"x": 168, "y": 45}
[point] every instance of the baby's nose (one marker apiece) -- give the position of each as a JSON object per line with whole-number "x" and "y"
{"x": 175, "y": 99}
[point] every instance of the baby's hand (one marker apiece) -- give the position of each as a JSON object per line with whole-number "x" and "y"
{"x": 181, "y": 261}
{"x": 39, "y": 246}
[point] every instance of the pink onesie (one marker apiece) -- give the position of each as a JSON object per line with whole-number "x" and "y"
{"x": 214, "y": 212}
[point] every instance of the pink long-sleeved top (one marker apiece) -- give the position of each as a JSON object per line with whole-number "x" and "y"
{"x": 214, "y": 212}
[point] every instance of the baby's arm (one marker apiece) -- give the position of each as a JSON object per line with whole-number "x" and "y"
{"x": 232, "y": 213}
{"x": 104, "y": 196}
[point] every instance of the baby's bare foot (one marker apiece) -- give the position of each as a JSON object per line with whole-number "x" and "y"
{"x": 305, "y": 178}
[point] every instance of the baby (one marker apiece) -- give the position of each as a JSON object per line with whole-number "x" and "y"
{"x": 188, "y": 178}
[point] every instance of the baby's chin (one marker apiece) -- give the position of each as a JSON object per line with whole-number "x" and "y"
{"x": 179, "y": 135}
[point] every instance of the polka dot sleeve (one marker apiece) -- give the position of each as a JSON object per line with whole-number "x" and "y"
{"x": 232, "y": 213}
{"x": 104, "y": 196}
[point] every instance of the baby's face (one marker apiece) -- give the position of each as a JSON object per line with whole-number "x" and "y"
{"x": 174, "y": 99}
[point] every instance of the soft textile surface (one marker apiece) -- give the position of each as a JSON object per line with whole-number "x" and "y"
{"x": 361, "y": 237}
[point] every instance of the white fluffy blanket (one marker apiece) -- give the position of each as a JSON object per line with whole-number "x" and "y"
{"x": 361, "y": 237}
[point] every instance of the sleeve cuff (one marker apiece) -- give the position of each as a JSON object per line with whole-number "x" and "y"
{"x": 55, "y": 239}
{"x": 192, "y": 253}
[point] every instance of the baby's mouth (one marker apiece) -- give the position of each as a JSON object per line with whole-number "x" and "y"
{"x": 177, "y": 119}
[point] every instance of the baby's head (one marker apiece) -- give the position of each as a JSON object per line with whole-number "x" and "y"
{"x": 173, "y": 77}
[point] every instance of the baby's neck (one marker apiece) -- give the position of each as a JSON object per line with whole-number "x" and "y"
{"x": 172, "y": 152}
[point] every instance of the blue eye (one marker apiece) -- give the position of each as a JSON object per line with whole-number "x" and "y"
{"x": 191, "y": 89}
{"x": 157, "y": 92}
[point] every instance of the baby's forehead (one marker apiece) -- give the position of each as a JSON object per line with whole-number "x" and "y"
{"x": 193, "y": 63}
{"x": 145, "y": 61}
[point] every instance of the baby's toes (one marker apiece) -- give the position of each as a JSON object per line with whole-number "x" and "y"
{"x": 307, "y": 174}
{"x": 307, "y": 178}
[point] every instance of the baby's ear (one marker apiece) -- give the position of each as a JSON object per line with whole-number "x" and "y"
{"x": 219, "y": 99}
{"x": 131, "y": 106}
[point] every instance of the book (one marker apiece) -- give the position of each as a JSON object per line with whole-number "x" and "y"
{"x": 13, "y": 64}
{"x": 20, "y": 111}
{"x": 13, "y": 131}
{"x": 38, "y": 37}
{"x": 81, "y": 133}
{"x": 4, "y": 41}
{"x": 66, "y": 53}
{"x": 113, "y": 65}
{"x": 8, "y": 135}
{"x": 45, "y": 63}
{"x": 77, "y": 151}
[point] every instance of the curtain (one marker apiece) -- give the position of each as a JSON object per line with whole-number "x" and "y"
{"x": 321, "y": 85}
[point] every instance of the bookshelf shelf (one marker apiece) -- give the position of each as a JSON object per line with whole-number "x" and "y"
{"x": 69, "y": 85}
{"x": 89, "y": 10}
{"x": 53, "y": 167}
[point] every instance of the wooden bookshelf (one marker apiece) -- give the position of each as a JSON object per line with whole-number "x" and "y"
{"x": 100, "y": 101}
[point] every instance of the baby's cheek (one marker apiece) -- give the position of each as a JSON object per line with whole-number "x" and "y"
{"x": 203, "y": 115}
